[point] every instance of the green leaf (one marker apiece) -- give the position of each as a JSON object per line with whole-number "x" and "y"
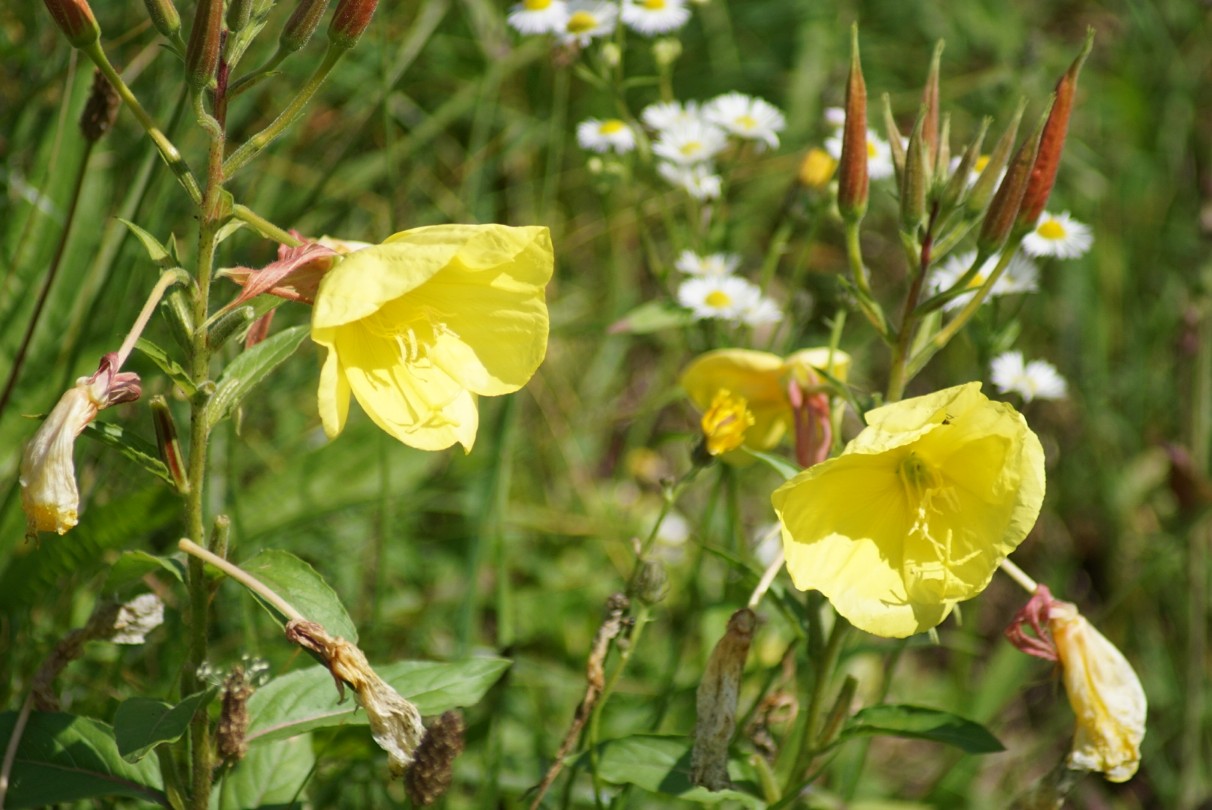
{"x": 660, "y": 763}
{"x": 307, "y": 699}
{"x": 156, "y": 251}
{"x": 303, "y": 587}
{"x": 780, "y": 465}
{"x": 269, "y": 776}
{"x": 917, "y": 722}
{"x": 131, "y": 446}
{"x": 130, "y": 568}
{"x": 169, "y": 366}
{"x": 140, "y": 724}
{"x": 652, "y": 316}
{"x": 65, "y": 758}
{"x": 254, "y": 365}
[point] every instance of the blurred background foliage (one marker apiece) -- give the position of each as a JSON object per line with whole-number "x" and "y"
{"x": 443, "y": 114}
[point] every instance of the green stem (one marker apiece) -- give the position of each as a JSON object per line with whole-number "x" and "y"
{"x": 826, "y": 665}
{"x": 264, "y": 226}
{"x": 167, "y": 151}
{"x": 253, "y": 146}
{"x": 866, "y": 303}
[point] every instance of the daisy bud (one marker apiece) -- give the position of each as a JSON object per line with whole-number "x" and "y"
{"x": 205, "y": 37}
{"x": 75, "y": 19}
{"x": 48, "y": 476}
{"x": 302, "y": 24}
{"x": 651, "y": 582}
{"x": 1043, "y": 172}
{"x": 431, "y": 773}
{"x": 1003, "y": 210}
{"x": 716, "y": 700}
{"x": 852, "y": 171}
{"x": 395, "y": 723}
{"x": 349, "y": 21}
{"x": 164, "y": 17}
{"x": 816, "y": 169}
{"x": 101, "y": 109}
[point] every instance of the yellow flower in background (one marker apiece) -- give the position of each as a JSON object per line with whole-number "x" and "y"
{"x": 917, "y": 512}
{"x": 761, "y": 379}
{"x": 420, "y": 325}
{"x": 725, "y": 422}
{"x": 1105, "y": 694}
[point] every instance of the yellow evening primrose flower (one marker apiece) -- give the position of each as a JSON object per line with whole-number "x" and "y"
{"x": 417, "y": 327}
{"x": 1105, "y": 693}
{"x": 761, "y": 380}
{"x": 917, "y": 512}
{"x": 725, "y": 422}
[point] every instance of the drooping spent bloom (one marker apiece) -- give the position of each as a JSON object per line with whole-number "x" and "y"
{"x": 700, "y": 180}
{"x": 419, "y": 326}
{"x": 1058, "y": 235}
{"x": 600, "y": 135}
{"x": 588, "y": 20}
{"x": 713, "y": 265}
{"x": 539, "y": 16}
{"x": 765, "y": 382}
{"x": 746, "y": 117}
{"x": 1020, "y": 276}
{"x": 690, "y": 142}
{"x": 48, "y": 475}
{"x": 724, "y": 297}
{"x": 1106, "y": 695}
{"x": 917, "y": 512}
{"x": 664, "y": 115}
{"x": 1038, "y": 379}
{"x": 651, "y": 17}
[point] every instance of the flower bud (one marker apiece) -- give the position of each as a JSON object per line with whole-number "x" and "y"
{"x": 164, "y": 17}
{"x": 915, "y": 178}
{"x": 816, "y": 169}
{"x": 716, "y": 701}
{"x": 101, "y": 109}
{"x": 302, "y": 24}
{"x": 612, "y": 55}
{"x": 205, "y": 37}
{"x": 1003, "y": 210}
{"x": 982, "y": 189}
{"x": 238, "y": 14}
{"x": 958, "y": 184}
{"x": 228, "y": 324}
{"x": 665, "y": 51}
{"x": 349, "y": 21}
{"x": 651, "y": 582}
{"x": 852, "y": 170}
{"x": 930, "y": 110}
{"x": 1043, "y": 173}
{"x": 75, "y": 19}
{"x": 166, "y": 440}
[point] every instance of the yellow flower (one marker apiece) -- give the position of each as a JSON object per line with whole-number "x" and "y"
{"x": 420, "y": 325}
{"x": 817, "y": 168}
{"x": 725, "y": 422}
{"x": 917, "y": 512}
{"x": 762, "y": 380}
{"x": 1105, "y": 694}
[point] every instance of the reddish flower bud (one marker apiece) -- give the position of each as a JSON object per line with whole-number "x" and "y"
{"x": 205, "y": 37}
{"x": 930, "y": 116}
{"x": 1003, "y": 211}
{"x": 302, "y": 24}
{"x": 852, "y": 169}
{"x": 349, "y": 21}
{"x": 75, "y": 18}
{"x": 1043, "y": 173}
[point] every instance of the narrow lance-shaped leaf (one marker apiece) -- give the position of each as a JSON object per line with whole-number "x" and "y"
{"x": 250, "y": 368}
{"x": 924, "y": 724}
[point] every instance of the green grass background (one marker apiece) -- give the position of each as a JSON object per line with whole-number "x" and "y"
{"x": 442, "y": 114}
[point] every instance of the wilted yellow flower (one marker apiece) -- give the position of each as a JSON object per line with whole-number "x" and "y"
{"x": 420, "y": 325}
{"x": 917, "y": 512}
{"x": 725, "y": 422}
{"x": 761, "y": 379}
{"x": 1105, "y": 694}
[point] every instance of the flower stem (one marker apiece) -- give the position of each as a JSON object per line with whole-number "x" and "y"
{"x": 243, "y": 577}
{"x": 1019, "y": 575}
{"x": 264, "y": 226}
{"x": 825, "y": 668}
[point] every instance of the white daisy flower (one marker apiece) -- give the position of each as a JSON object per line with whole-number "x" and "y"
{"x": 699, "y": 181}
{"x": 763, "y": 312}
{"x": 879, "y": 154}
{"x": 1038, "y": 379}
{"x": 588, "y": 19}
{"x": 746, "y": 117}
{"x": 1058, "y": 235}
{"x": 670, "y": 114}
{"x": 690, "y": 142}
{"x": 728, "y": 298}
{"x": 1020, "y": 276}
{"x": 539, "y": 16}
{"x": 713, "y": 265}
{"x": 603, "y": 135}
{"x": 835, "y": 117}
{"x": 649, "y": 17}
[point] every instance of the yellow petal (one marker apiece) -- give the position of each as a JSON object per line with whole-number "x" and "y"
{"x": 333, "y": 394}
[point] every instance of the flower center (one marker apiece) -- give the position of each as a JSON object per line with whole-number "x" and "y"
{"x": 917, "y": 476}
{"x": 536, "y": 5}
{"x": 654, "y": 5}
{"x": 582, "y": 22}
{"x": 745, "y": 122}
{"x": 691, "y": 148}
{"x": 611, "y": 126}
{"x": 871, "y": 149}
{"x": 1051, "y": 229}
{"x": 718, "y": 299}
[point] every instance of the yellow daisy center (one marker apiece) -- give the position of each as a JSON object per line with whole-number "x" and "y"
{"x": 691, "y": 148}
{"x": 1051, "y": 229}
{"x": 871, "y": 149}
{"x": 535, "y": 5}
{"x": 981, "y": 163}
{"x": 611, "y": 127}
{"x": 582, "y": 22}
{"x": 746, "y": 122}
{"x": 977, "y": 281}
{"x": 654, "y": 5}
{"x": 718, "y": 299}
